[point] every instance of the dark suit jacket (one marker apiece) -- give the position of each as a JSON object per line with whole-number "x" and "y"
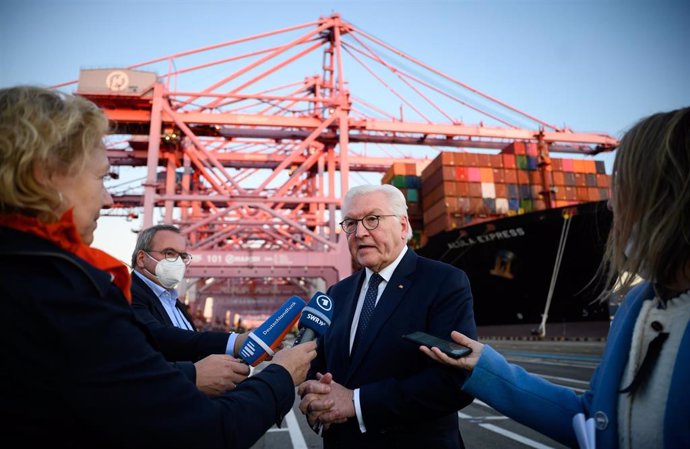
{"x": 177, "y": 345}
{"x": 81, "y": 371}
{"x": 407, "y": 399}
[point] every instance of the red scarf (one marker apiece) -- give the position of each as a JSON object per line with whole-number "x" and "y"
{"x": 64, "y": 234}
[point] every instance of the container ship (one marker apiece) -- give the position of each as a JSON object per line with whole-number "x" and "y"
{"x": 531, "y": 257}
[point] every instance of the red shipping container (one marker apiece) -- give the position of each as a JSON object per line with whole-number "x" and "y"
{"x": 475, "y": 189}
{"x": 501, "y": 191}
{"x": 499, "y": 175}
{"x": 535, "y": 178}
{"x": 471, "y": 160}
{"x": 460, "y": 158}
{"x": 496, "y": 161}
{"x": 522, "y": 177}
{"x": 448, "y": 173}
{"x": 508, "y": 161}
{"x": 557, "y": 164}
{"x": 510, "y": 176}
{"x": 434, "y": 165}
{"x": 461, "y": 174}
{"x": 431, "y": 180}
{"x": 476, "y": 205}
{"x": 462, "y": 189}
{"x": 570, "y": 193}
{"x": 558, "y": 178}
{"x": 447, "y": 158}
{"x": 580, "y": 180}
{"x": 483, "y": 160}
{"x": 444, "y": 189}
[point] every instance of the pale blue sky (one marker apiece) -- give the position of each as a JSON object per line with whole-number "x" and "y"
{"x": 591, "y": 65}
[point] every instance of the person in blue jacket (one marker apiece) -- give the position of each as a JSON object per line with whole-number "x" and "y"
{"x": 639, "y": 396}
{"x": 79, "y": 370}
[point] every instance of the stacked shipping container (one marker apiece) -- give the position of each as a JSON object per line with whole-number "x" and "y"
{"x": 461, "y": 188}
{"x": 405, "y": 176}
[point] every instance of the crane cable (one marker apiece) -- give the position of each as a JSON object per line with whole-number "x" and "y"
{"x": 556, "y": 267}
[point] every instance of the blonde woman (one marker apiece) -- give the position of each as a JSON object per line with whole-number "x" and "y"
{"x": 78, "y": 369}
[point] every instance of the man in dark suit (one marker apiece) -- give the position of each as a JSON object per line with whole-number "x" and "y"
{"x": 159, "y": 263}
{"x": 380, "y": 391}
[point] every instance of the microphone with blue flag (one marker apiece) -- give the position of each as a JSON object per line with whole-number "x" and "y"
{"x": 315, "y": 319}
{"x": 262, "y": 341}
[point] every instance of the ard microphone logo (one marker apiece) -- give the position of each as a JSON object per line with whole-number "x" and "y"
{"x": 319, "y": 311}
{"x": 324, "y": 303}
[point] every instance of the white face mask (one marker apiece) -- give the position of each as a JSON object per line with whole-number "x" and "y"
{"x": 169, "y": 274}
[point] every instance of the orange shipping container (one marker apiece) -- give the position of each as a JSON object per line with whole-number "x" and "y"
{"x": 593, "y": 194}
{"x": 486, "y": 174}
{"x": 558, "y": 178}
{"x": 603, "y": 180}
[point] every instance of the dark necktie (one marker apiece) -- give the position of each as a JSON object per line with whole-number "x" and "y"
{"x": 367, "y": 308}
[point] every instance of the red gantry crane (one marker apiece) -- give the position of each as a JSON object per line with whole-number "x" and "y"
{"x": 250, "y": 157}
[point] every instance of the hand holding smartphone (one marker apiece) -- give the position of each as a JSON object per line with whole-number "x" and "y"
{"x": 449, "y": 348}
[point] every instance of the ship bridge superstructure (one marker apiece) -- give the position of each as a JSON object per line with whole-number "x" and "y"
{"x": 249, "y": 145}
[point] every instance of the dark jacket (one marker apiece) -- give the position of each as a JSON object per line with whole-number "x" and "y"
{"x": 81, "y": 371}
{"x": 407, "y": 399}
{"x": 181, "y": 346}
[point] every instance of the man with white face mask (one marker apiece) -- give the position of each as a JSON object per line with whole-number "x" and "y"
{"x": 159, "y": 263}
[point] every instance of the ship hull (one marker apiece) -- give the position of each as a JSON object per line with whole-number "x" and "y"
{"x": 510, "y": 263}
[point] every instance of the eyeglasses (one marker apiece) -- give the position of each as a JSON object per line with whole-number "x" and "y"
{"x": 370, "y": 222}
{"x": 171, "y": 255}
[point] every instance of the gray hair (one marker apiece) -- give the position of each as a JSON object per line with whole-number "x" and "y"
{"x": 396, "y": 200}
{"x": 146, "y": 236}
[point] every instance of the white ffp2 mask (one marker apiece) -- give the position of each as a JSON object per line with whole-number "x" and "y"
{"x": 169, "y": 273}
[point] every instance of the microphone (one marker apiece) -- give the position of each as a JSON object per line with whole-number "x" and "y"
{"x": 315, "y": 319}
{"x": 262, "y": 341}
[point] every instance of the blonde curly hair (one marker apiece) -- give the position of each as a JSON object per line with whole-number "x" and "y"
{"x": 43, "y": 128}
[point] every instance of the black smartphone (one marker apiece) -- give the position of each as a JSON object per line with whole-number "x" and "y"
{"x": 449, "y": 348}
